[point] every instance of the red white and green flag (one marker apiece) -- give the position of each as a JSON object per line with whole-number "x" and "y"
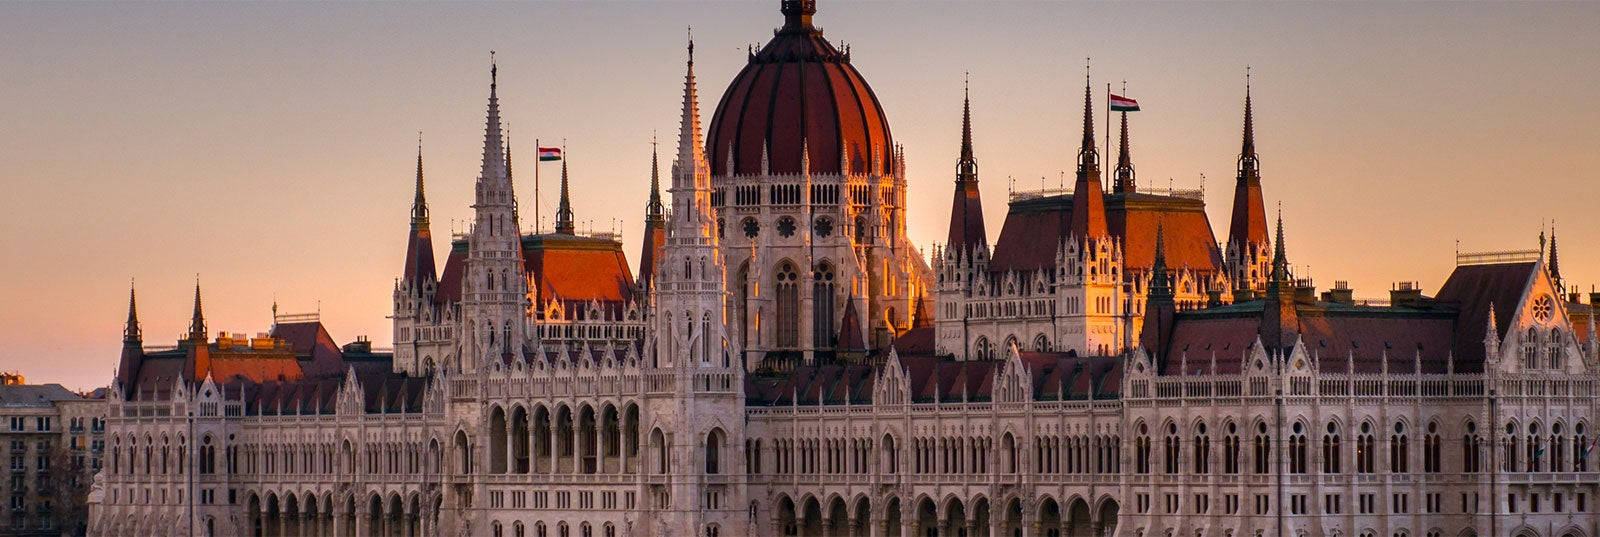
{"x": 549, "y": 153}
{"x": 1123, "y": 104}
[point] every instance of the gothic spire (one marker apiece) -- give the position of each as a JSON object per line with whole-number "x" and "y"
{"x": 691, "y": 145}
{"x": 1555, "y": 265}
{"x": 1124, "y": 173}
{"x": 653, "y": 211}
{"x": 1088, "y": 157}
{"x": 493, "y": 171}
{"x": 564, "y": 209}
{"x": 1247, "y": 153}
{"x": 1280, "y": 262}
{"x": 1160, "y": 283}
{"x": 197, "y": 323}
{"x": 419, "y": 204}
{"x": 131, "y": 337}
{"x": 1088, "y": 201}
{"x": 966, "y": 209}
{"x": 967, "y": 167}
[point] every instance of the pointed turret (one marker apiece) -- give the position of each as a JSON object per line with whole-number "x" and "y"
{"x": 564, "y": 224}
{"x": 966, "y": 209}
{"x": 495, "y": 301}
{"x": 197, "y": 323}
{"x": 1125, "y": 183}
{"x": 1088, "y": 196}
{"x": 132, "y": 347}
{"x": 693, "y": 172}
{"x": 1281, "y": 324}
{"x": 655, "y": 230}
{"x": 1247, "y": 231}
{"x": 131, "y": 336}
{"x": 1160, "y": 309}
{"x": 419, "y": 245}
{"x": 1555, "y": 264}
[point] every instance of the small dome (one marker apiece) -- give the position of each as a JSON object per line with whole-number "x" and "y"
{"x": 799, "y": 90}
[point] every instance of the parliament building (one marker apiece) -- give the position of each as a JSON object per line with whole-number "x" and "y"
{"x": 785, "y": 362}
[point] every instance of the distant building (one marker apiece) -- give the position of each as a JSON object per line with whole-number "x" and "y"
{"x": 53, "y": 440}
{"x": 786, "y": 363}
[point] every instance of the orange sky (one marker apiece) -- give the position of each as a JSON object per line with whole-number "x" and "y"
{"x": 269, "y": 148}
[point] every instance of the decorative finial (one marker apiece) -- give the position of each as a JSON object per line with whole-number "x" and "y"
{"x": 691, "y": 44}
{"x": 494, "y": 69}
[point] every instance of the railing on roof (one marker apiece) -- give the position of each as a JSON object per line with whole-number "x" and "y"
{"x": 1021, "y": 195}
{"x": 1198, "y": 194}
{"x": 287, "y": 318}
{"x": 1495, "y": 257}
{"x": 605, "y": 235}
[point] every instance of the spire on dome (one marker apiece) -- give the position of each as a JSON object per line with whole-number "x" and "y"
{"x": 1124, "y": 173}
{"x": 131, "y": 337}
{"x": 564, "y": 208}
{"x": 966, "y": 209}
{"x": 797, "y": 14}
{"x": 197, "y": 323}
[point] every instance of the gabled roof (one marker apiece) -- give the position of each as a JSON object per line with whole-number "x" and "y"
{"x": 1472, "y": 289}
{"x": 1035, "y": 227}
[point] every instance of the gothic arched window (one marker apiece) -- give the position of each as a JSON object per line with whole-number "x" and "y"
{"x": 822, "y": 289}
{"x": 1331, "y": 450}
{"x": 788, "y": 291}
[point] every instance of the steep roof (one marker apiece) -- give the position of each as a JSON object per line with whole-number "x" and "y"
{"x": 1033, "y": 223}
{"x": 1472, "y": 289}
{"x": 572, "y": 268}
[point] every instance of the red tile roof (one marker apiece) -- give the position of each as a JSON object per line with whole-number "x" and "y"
{"x": 1034, "y": 227}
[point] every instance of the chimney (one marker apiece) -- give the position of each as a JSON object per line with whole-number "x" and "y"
{"x": 1594, "y": 298}
{"x": 1305, "y": 292}
{"x": 1405, "y": 294}
{"x": 1340, "y": 294}
{"x": 1213, "y": 298}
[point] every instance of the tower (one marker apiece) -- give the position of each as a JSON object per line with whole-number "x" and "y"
{"x": 197, "y": 321}
{"x": 1092, "y": 257}
{"x": 700, "y": 420}
{"x": 414, "y": 292}
{"x": 494, "y": 291}
{"x": 132, "y": 345}
{"x": 965, "y": 257}
{"x": 1247, "y": 259}
{"x": 564, "y": 224}
{"x": 655, "y": 231}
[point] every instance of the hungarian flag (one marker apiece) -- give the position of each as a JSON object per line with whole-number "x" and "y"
{"x": 1123, "y": 104}
{"x": 549, "y": 153}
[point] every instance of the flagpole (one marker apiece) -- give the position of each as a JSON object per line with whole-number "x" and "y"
{"x": 1105, "y": 158}
{"x": 536, "y": 221}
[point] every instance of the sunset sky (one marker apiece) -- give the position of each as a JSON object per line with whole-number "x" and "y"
{"x": 270, "y": 148}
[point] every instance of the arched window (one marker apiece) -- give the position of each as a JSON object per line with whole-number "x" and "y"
{"x": 1553, "y": 353}
{"x": 1331, "y": 450}
{"x": 1230, "y": 450}
{"x": 1431, "y": 449}
{"x": 787, "y": 284}
{"x": 1141, "y": 450}
{"x": 1535, "y": 449}
{"x": 1202, "y": 450}
{"x": 713, "y": 451}
{"x": 1041, "y": 343}
{"x": 1399, "y": 450}
{"x": 1170, "y": 454}
{"x": 1297, "y": 449}
{"x": 1510, "y": 444}
{"x": 1263, "y": 450}
{"x": 1364, "y": 449}
{"x": 1580, "y": 449}
{"x": 1471, "y": 449}
{"x": 1530, "y": 353}
{"x": 822, "y": 290}
{"x": 983, "y": 349}
{"x": 1557, "y": 460}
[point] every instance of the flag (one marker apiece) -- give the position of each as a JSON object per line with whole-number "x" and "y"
{"x": 549, "y": 153}
{"x": 1123, "y": 104}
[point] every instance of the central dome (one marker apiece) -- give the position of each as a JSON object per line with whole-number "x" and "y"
{"x": 799, "y": 91}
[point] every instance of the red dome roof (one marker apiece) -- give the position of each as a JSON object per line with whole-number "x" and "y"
{"x": 799, "y": 90}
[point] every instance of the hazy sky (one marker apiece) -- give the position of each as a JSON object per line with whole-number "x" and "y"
{"x": 270, "y": 148}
